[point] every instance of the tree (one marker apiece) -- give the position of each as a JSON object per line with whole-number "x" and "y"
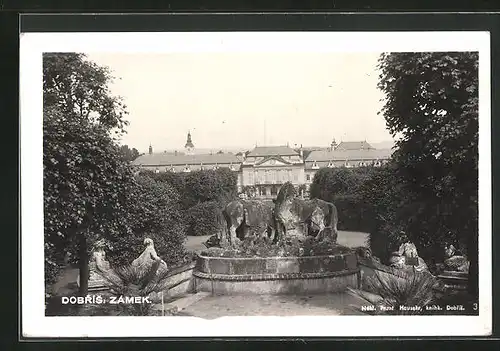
{"x": 129, "y": 154}
{"x": 85, "y": 176}
{"x": 85, "y": 182}
{"x": 80, "y": 89}
{"x": 210, "y": 185}
{"x": 431, "y": 105}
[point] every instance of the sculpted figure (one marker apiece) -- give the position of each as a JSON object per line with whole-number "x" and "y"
{"x": 454, "y": 262}
{"x": 299, "y": 217}
{"x": 407, "y": 257}
{"x": 149, "y": 257}
{"x": 248, "y": 218}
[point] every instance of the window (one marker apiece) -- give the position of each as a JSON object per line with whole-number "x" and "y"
{"x": 273, "y": 177}
{"x": 157, "y": 170}
{"x": 315, "y": 165}
{"x": 263, "y": 191}
{"x": 330, "y": 164}
{"x": 250, "y": 177}
{"x": 308, "y": 177}
{"x": 268, "y": 176}
{"x": 187, "y": 169}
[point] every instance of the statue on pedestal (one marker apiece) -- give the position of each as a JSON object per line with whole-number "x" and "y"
{"x": 149, "y": 257}
{"x": 454, "y": 262}
{"x": 406, "y": 257}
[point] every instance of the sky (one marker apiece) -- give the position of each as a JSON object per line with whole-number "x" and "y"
{"x": 231, "y": 100}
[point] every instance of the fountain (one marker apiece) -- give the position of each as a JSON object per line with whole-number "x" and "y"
{"x": 286, "y": 247}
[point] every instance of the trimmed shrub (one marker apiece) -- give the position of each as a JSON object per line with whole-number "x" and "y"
{"x": 204, "y": 219}
{"x": 153, "y": 211}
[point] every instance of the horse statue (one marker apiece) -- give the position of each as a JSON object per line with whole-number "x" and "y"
{"x": 299, "y": 217}
{"x": 249, "y": 218}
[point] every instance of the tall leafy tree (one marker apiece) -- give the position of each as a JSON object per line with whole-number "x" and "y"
{"x": 85, "y": 185}
{"x": 85, "y": 176}
{"x": 431, "y": 106}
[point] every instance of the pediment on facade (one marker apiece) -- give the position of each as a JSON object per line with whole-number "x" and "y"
{"x": 272, "y": 162}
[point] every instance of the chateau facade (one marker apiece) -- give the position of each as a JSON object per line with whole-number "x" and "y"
{"x": 265, "y": 168}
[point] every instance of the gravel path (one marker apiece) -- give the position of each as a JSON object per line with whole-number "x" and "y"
{"x": 271, "y": 305}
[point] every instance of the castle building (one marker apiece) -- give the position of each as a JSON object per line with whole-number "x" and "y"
{"x": 266, "y": 168}
{"x": 346, "y": 154}
{"x": 188, "y": 161}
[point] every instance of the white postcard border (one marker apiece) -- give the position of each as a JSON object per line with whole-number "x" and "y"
{"x": 34, "y": 321}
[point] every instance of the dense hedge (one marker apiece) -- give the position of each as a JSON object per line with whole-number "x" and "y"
{"x": 154, "y": 211}
{"x": 377, "y": 201}
{"x": 343, "y": 187}
{"x": 203, "y": 195}
{"x": 368, "y": 199}
{"x": 204, "y": 219}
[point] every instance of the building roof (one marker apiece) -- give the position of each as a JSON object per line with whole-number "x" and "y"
{"x": 272, "y": 151}
{"x": 167, "y": 159}
{"x": 366, "y": 154}
{"x": 354, "y": 145}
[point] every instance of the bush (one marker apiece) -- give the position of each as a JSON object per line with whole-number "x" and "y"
{"x": 204, "y": 219}
{"x": 154, "y": 211}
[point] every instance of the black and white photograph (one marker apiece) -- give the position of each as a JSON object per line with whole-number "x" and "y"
{"x": 248, "y": 184}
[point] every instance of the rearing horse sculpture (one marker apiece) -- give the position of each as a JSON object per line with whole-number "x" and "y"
{"x": 304, "y": 217}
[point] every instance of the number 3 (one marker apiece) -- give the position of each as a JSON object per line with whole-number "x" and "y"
{"x": 475, "y": 306}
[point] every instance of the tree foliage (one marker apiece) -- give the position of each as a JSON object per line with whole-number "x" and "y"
{"x": 153, "y": 209}
{"x": 431, "y": 105}
{"x": 129, "y": 154}
{"x": 80, "y": 89}
{"x": 90, "y": 191}
{"x": 85, "y": 180}
{"x": 204, "y": 219}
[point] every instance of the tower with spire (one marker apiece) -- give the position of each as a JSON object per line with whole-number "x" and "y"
{"x": 189, "y": 145}
{"x": 333, "y": 145}
{"x": 150, "y": 149}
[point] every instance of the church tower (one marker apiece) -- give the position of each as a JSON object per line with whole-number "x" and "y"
{"x": 333, "y": 145}
{"x": 150, "y": 149}
{"x": 189, "y": 145}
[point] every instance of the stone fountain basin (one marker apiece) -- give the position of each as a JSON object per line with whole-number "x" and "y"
{"x": 276, "y": 275}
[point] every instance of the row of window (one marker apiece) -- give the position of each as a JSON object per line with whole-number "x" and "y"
{"x": 273, "y": 176}
{"x": 263, "y": 191}
{"x": 187, "y": 168}
{"x": 350, "y": 164}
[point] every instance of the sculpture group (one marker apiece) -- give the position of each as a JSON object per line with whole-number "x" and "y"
{"x": 285, "y": 217}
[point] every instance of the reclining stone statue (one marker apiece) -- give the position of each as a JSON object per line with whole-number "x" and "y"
{"x": 407, "y": 257}
{"x": 149, "y": 257}
{"x": 454, "y": 262}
